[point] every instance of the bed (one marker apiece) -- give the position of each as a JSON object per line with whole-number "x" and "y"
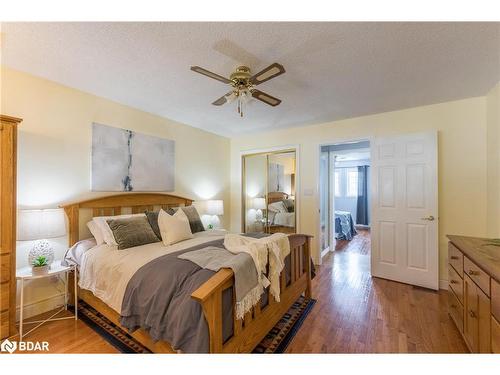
{"x": 344, "y": 226}
{"x": 103, "y": 275}
{"x": 283, "y": 222}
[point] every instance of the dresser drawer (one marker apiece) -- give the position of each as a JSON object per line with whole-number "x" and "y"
{"x": 495, "y": 336}
{"x": 455, "y": 258}
{"x": 456, "y": 310}
{"x": 456, "y": 283}
{"x": 481, "y": 278}
{"x": 495, "y": 299}
{"x": 4, "y": 296}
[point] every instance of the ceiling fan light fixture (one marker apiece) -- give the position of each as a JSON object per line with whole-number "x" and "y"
{"x": 242, "y": 82}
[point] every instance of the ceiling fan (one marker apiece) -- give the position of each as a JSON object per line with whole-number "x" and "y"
{"x": 243, "y": 84}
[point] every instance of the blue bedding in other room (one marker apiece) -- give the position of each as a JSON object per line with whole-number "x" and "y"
{"x": 344, "y": 226}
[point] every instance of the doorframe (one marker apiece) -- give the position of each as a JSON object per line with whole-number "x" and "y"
{"x": 332, "y": 214}
{"x": 255, "y": 151}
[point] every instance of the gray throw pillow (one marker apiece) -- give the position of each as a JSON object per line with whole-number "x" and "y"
{"x": 194, "y": 218}
{"x": 131, "y": 232}
{"x": 289, "y": 204}
{"x": 153, "y": 221}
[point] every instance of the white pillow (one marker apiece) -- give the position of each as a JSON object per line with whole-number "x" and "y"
{"x": 106, "y": 231}
{"x": 277, "y": 207}
{"x": 75, "y": 253}
{"x": 96, "y": 232}
{"x": 174, "y": 228}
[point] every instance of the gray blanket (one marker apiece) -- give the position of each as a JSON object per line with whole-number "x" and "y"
{"x": 215, "y": 258}
{"x": 158, "y": 299}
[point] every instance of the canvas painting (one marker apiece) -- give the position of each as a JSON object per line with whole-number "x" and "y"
{"x": 124, "y": 160}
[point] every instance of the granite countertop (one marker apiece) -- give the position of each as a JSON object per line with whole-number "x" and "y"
{"x": 477, "y": 249}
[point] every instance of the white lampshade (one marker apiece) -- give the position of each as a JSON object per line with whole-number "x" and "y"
{"x": 40, "y": 224}
{"x": 259, "y": 203}
{"x": 215, "y": 207}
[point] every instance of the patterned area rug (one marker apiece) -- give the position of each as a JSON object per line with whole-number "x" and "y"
{"x": 276, "y": 340}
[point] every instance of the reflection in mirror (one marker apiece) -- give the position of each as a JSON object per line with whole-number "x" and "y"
{"x": 281, "y": 192}
{"x": 269, "y": 192}
{"x": 254, "y": 187}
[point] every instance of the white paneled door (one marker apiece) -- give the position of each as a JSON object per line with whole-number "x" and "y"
{"x": 405, "y": 209}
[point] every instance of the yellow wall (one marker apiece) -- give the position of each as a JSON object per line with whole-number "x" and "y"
{"x": 55, "y": 143}
{"x": 461, "y": 127}
{"x": 493, "y": 162}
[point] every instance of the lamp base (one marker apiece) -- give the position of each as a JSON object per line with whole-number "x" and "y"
{"x": 41, "y": 248}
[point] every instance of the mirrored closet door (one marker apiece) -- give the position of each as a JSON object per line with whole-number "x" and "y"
{"x": 268, "y": 196}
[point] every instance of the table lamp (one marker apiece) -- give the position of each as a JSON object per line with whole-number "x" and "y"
{"x": 259, "y": 204}
{"x": 38, "y": 225}
{"x": 214, "y": 207}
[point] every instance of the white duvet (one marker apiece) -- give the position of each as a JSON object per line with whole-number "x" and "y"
{"x": 106, "y": 271}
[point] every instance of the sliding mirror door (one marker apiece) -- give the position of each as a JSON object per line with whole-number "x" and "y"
{"x": 269, "y": 198}
{"x": 254, "y": 193}
{"x": 281, "y": 192}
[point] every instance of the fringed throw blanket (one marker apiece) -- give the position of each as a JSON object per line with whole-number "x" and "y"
{"x": 246, "y": 283}
{"x": 256, "y": 263}
{"x": 273, "y": 249}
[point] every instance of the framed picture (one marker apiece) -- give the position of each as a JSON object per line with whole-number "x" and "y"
{"x": 124, "y": 160}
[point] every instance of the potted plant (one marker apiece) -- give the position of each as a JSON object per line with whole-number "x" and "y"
{"x": 40, "y": 265}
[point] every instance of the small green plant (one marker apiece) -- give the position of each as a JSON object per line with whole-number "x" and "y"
{"x": 40, "y": 261}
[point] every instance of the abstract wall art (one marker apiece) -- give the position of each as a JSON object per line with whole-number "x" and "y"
{"x": 124, "y": 160}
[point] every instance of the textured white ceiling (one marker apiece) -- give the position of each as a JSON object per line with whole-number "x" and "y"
{"x": 333, "y": 70}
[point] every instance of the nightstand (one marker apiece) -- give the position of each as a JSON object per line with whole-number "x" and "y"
{"x": 24, "y": 274}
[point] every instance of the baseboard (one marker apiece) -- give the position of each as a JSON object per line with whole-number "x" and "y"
{"x": 39, "y": 307}
{"x": 443, "y": 284}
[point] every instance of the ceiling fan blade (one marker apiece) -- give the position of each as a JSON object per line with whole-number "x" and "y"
{"x": 223, "y": 99}
{"x": 271, "y": 71}
{"x": 266, "y": 98}
{"x": 208, "y": 73}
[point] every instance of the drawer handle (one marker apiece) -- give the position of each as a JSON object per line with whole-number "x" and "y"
{"x": 473, "y": 273}
{"x": 454, "y": 257}
{"x": 453, "y": 306}
{"x": 472, "y": 314}
{"x": 453, "y": 281}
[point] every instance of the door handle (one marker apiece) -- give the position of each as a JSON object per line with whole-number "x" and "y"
{"x": 428, "y": 218}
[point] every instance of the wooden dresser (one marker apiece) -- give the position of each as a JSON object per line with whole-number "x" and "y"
{"x": 474, "y": 291}
{"x": 8, "y": 157}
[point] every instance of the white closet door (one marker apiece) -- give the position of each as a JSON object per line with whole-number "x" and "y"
{"x": 405, "y": 209}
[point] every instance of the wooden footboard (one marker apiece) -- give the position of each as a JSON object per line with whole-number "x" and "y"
{"x": 247, "y": 333}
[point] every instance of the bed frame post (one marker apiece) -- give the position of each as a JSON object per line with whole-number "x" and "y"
{"x": 74, "y": 224}
{"x": 307, "y": 256}
{"x": 209, "y": 295}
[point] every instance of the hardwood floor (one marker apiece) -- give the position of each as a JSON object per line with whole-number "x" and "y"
{"x": 354, "y": 314}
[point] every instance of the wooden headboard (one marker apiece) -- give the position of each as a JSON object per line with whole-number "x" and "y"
{"x": 276, "y": 196}
{"x": 116, "y": 205}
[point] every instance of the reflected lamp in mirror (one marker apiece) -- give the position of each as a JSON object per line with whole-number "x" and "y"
{"x": 214, "y": 208}
{"x": 39, "y": 225}
{"x": 259, "y": 204}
